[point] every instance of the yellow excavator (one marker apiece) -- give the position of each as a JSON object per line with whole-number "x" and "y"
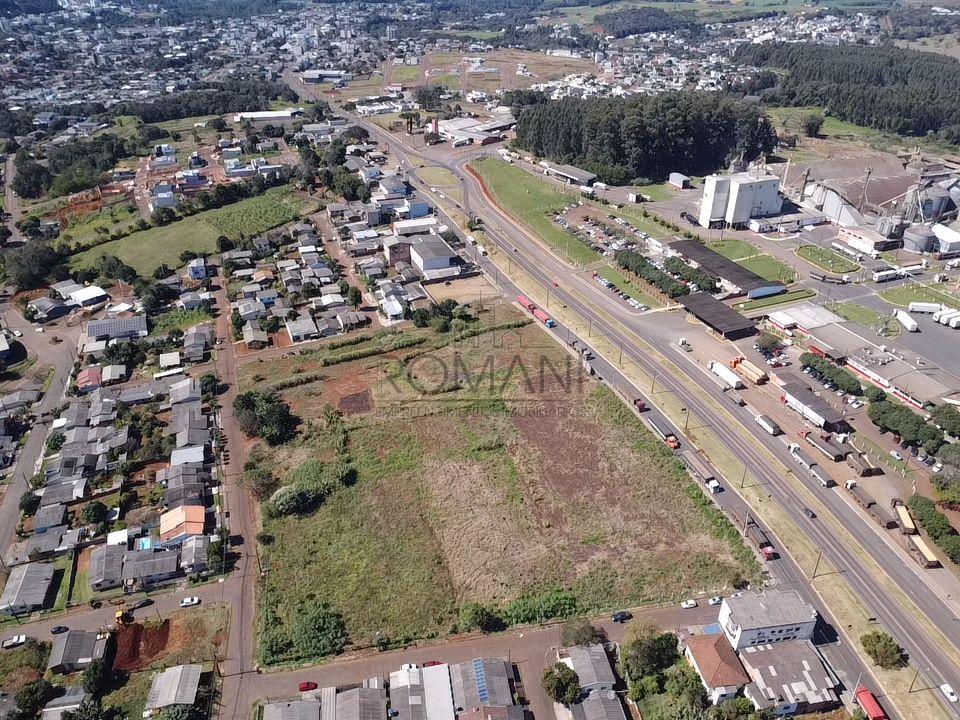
{"x": 124, "y": 617}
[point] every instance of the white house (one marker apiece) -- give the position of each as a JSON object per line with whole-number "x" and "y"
{"x": 771, "y": 616}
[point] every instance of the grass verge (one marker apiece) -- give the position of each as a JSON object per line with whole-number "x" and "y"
{"x": 826, "y": 259}
{"x": 787, "y": 297}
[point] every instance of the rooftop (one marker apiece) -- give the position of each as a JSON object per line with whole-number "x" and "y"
{"x": 770, "y": 608}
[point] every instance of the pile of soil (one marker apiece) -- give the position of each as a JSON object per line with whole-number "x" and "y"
{"x": 138, "y": 646}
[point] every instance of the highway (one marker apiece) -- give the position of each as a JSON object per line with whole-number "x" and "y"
{"x": 838, "y": 524}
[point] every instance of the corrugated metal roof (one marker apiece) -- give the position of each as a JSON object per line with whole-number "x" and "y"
{"x": 174, "y": 686}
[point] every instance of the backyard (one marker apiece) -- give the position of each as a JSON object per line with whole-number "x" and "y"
{"x": 488, "y": 470}
{"x": 533, "y": 202}
{"x": 148, "y": 249}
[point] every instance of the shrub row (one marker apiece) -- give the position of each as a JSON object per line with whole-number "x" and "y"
{"x": 843, "y": 379}
{"x": 645, "y": 270}
{"x": 703, "y": 280}
{"x": 936, "y": 525}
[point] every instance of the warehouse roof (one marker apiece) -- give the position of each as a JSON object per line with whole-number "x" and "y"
{"x": 598, "y": 706}
{"x": 716, "y": 264}
{"x": 725, "y": 320}
{"x": 804, "y": 395}
{"x": 118, "y": 327}
{"x": 787, "y": 672}
{"x": 296, "y": 710}
{"x": 771, "y": 608}
{"x": 482, "y": 682}
{"x": 362, "y": 703}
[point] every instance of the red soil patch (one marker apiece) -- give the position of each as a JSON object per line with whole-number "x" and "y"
{"x": 139, "y": 646}
{"x": 355, "y": 404}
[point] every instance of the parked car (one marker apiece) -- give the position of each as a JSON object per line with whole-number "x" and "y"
{"x": 12, "y": 642}
{"x": 948, "y": 693}
{"x": 307, "y": 686}
{"x": 621, "y": 617}
{"x": 189, "y": 602}
{"x": 896, "y": 456}
{"x": 715, "y": 600}
{"x": 688, "y": 604}
{"x": 141, "y": 603}
{"x": 57, "y": 629}
{"x": 809, "y": 513}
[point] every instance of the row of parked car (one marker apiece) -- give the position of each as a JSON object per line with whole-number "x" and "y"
{"x": 635, "y": 304}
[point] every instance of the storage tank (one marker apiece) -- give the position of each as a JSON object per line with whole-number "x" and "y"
{"x": 919, "y": 239}
{"x": 934, "y": 202}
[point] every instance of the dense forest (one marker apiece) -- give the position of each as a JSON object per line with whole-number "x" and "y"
{"x": 636, "y": 21}
{"x": 887, "y": 88}
{"x": 645, "y": 136}
{"x": 215, "y": 99}
{"x": 914, "y": 22}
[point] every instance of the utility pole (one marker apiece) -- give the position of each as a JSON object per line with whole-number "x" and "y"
{"x": 817, "y": 566}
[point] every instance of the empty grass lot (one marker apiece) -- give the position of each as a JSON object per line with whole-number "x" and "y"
{"x": 23, "y": 664}
{"x": 512, "y": 483}
{"x": 533, "y": 202}
{"x": 147, "y": 249}
{"x": 769, "y": 268}
{"x": 614, "y": 276}
{"x": 826, "y": 259}
{"x": 734, "y": 249}
{"x": 868, "y": 317}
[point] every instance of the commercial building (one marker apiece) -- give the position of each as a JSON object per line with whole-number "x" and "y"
{"x": 772, "y": 616}
{"x": 734, "y": 278}
{"x": 800, "y": 398}
{"x": 788, "y": 678}
{"x": 569, "y": 173}
{"x": 259, "y": 116}
{"x": 718, "y": 317}
{"x": 732, "y": 200}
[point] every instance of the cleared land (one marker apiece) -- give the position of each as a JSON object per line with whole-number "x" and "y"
{"x": 827, "y": 259}
{"x": 147, "y": 249}
{"x": 510, "y": 483}
{"x": 534, "y": 203}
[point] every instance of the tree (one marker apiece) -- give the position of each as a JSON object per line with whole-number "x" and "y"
{"x": 32, "y": 179}
{"x": 29, "y": 502}
{"x": 33, "y": 696}
{"x": 947, "y": 418}
{"x": 561, "y": 684}
{"x": 882, "y": 649}
{"x": 55, "y": 442}
{"x": 216, "y": 552}
{"x": 440, "y": 324}
{"x": 811, "y": 124}
{"x": 768, "y": 342}
{"x": 90, "y": 709}
{"x": 875, "y": 394}
{"x": 577, "y": 632}
{"x": 354, "y": 296}
{"x": 318, "y": 631}
{"x": 208, "y": 384}
{"x": 94, "y": 512}
{"x": 29, "y": 265}
{"x": 474, "y": 616}
{"x": 647, "y": 651}
{"x": 96, "y": 678}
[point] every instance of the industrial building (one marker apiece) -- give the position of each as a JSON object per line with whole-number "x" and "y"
{"x": 734, "y": 278}
{"x": 732, "y": 200}
{"x": 801, "y": 399}
{"x": 718, "y": 317}
{"x": 569, "y": 173}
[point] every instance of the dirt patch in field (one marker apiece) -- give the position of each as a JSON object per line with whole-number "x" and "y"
{"x": 18, "y": 677}
{"x": 138, "y": 646}
{"x": 355, "y": 404}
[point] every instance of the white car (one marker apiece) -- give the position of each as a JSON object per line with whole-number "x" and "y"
{"x": 18, "y": 333}
{"x": 12, "y": 642}
{"x": 715, "y": 600}
{"x": 948, "y": 693}
{"x": 688, "y": 604}
{"x": 189, "y": 602}
{"x": 39, "y": 329}
{"x": 896, "y": 456}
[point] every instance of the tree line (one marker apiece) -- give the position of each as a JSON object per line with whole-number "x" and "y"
{"x": 887, "y": 88}
{"x": 646, "y": 137}
{"x": 636, "y": 21}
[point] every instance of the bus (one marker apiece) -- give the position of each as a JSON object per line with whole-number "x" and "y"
{"x": 926, "y": 556}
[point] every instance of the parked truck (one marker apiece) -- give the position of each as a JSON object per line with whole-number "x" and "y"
{"x": 868, "y": 703}
{"x": 877, "y": 512}
{"x": 823, "y": 444}
{"x": 755, "y": 534}
{"x": 821, "y": 476}
{"x": 526, "y": 303}
{"x": 859, "y": 464}
{"x": 800, "y": 457}
{"x": 947, "y": 316}
{"x": 908, "y": 322}
{"x": 544, "y": 318}
{"x": 749, "y": 371}
{"x": 768, "y": 425}
{"x": 669, "y": 438}
{"x": 726, "y": 374}
{"x": 924, "y": 307}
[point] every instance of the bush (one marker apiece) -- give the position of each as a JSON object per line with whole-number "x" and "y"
{"x": 318, "y": 631}
{"x": 474, "y": 616}
{"x": 94, "y": 513}
{"x": 647, "y": 652}
{"x": 577, "y": 632}
{"x": 843, "y": 379}
{"x": 645, "y": 270}
{"x": 883, "y": 650}
{"x": 561, "y": 684}
{"x": 310, "y": 484}
{"x": 875, "y": 394}
{"x": 703, "y": 280}
{"x": 537, "y": 608}
{"x": 264, "y": 415}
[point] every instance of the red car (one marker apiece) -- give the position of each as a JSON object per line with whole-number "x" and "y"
{"x": 307, "y": 686}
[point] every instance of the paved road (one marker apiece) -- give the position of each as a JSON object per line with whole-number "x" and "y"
{"x": 624, "y": 328}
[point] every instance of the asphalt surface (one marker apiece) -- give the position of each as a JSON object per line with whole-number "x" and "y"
{"x": 926, "y": 652}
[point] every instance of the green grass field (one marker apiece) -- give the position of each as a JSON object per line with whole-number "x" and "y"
{"x": 614, "y": 276}
{"x": 657, "y": 191}
{"x": 769, "y": 268}
{"x": 179, "y": 320}
{"x": 486, "y": 492}
{"x": 533, "y": 202}
{"x": 826, "y": 259}
{"x": 84, "y": 229}
{"x": 405, "y": 73}
{"x": 147, "y": 249}
{"x": 915, "y": 292}
{"x": 23, "y": 664}
{"x": 790, "y": 117}
{"x": 734, "y": 249}
{"x": 185, "y": 125}
{"x": 867, "y": 317}
{"x": 787, "y": 297}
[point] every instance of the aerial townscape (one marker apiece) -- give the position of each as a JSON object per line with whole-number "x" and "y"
{"x": 463, "y": 360}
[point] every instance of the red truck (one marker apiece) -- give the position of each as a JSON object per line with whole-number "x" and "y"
{"x": 526, "y": 303}
{"x": 543, "y": 317}
{"x": 868, "y": 703}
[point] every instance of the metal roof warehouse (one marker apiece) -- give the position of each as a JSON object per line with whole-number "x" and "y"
{"x": 717, "y": 316}
{"x": 737, "y": 276}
